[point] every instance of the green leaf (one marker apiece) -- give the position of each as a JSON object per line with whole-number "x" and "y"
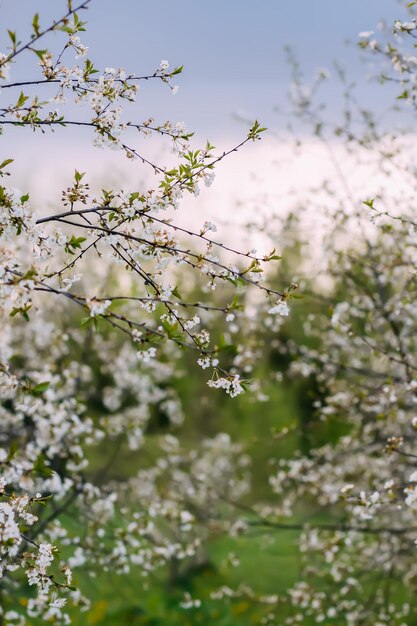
{"x": 14, "y": 447}
{"x": 39, "y": 53}
{"x": 40, "y": 388}
{"x": 30, "y": 274}
{"x": 177, "y": 70}
{"x": 23, "y": 311}
{"x": 255, "y": 131}
{"x": 21, "y": 100}
{"x": 79, "y": 176}
{"x": 44, "y": 500}
{"x": 5, "y": 163}
{"x": 272, "y": 256}
{"x": 235, "y": 305}
{"x": 224, "y": 346}
{"x": 40, "y": 466}
{"x": 74, "y": 243}
{"x": 89, "y": 68}
{"x": 12, "y": 36}
{"x": 89, "y": 321}
{"x": 404, "y": 95}
{"x": 35, "y": 24}
{"x": 237, "y": 281}
{"x": 172, "y": 330}
{"x": 253, "y": 267}
{"x": 176, "y": 293}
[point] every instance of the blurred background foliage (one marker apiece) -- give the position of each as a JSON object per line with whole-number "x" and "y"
{"x": 271, "y": 422}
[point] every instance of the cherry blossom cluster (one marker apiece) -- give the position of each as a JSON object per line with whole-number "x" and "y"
{"x": 398, "y": 52}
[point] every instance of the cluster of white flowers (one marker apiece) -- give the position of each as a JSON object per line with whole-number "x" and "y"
{"x": 281, "y": 308}
{"x": 97, "y": 307}
{"x": 404, "y": 26}
{"x": 400, "y": 53}
{"x": 146, "y": 355}
{"x": 80, "y": 49}
{"x": 231, "y": 384}
{"x": 109, "y": 129}
{"x": 209, "y": 226}
{"x": 15, "y": 213}
{"x": 191, "y": 323}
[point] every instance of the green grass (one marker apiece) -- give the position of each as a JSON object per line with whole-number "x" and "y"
{"x": 268, "y": 564}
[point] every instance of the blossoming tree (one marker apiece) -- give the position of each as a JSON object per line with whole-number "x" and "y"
{"x": 69, "y": 330}
{"x": 349, "y": 493}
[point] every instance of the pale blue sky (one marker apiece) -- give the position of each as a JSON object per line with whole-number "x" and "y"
{"x": 233, "y": 56}
{"x": 232, "y": 50}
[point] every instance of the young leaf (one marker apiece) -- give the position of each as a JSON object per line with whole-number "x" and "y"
{"x": 35, "y": 24}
